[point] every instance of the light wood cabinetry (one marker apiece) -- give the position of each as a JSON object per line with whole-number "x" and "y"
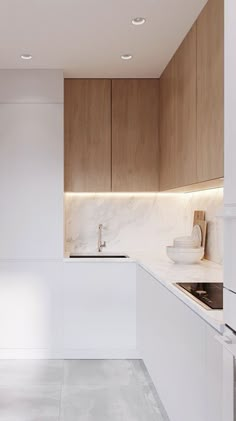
{"x": 135, "y": 135}
{"x": 210, "y": 91}
{"x": 185, "y": 80}
{"x": 87, "y": 135}
{"x": 191, "y": 105}
{"x": 178, "y": 117}
{"x": 168, "y": 173}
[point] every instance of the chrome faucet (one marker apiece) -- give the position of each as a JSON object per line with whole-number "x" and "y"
{"x": 101, "y": 244}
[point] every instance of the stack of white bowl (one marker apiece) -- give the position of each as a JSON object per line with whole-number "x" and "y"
{"x": 187, "y": 250}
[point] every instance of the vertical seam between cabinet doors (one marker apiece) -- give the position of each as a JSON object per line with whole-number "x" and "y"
{"x": 111, "y": 108}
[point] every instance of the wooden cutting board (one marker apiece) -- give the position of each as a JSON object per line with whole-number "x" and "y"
{"x": 199, "y": 219}
{"x": 199, "y": 216}
{"x": 203, "y": 226}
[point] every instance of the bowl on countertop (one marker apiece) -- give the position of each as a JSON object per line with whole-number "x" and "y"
{"x": 185, "y": 242}
{"x": 185, "y": 256}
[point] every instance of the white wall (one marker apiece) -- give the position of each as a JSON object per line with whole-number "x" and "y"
{"x": 134, "y": 223}
{"x": 31, "y": 164}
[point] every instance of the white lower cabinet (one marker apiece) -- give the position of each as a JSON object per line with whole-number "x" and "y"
{"x": 30, "y": 309}
{"x": 214, "y": 377}
{"x": 180, "y": 353}
{"x": 99, "y": 310}
{"x": 67, "y": 310}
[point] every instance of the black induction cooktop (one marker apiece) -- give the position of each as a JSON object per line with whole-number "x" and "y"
{"x": 209, "y": 294}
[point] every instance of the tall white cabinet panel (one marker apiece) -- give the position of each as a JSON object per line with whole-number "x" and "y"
{"x": 230, "y": 165}
{"x": 31, "y": 165}
{"x": 180, "y": 353}
{"x": 230, "y": 103}
{"x": 31, "y": 181}
{"x": 30, "y": 309}
{"x": 214, "y": 377}
{"x": 99, "y": 310}
{"x": 171, "y": 341}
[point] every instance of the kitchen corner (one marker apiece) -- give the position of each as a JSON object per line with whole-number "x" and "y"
{"x": 118, "y": 211}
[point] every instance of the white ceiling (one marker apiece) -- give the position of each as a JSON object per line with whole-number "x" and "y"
{"x": 87, "y": 37}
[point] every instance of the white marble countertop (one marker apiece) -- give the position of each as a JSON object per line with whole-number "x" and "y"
{"x": 167, "y": 273}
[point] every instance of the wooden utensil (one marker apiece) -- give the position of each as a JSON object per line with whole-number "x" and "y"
{"x": 199, "y": 216}
{"x": 203, "y": 226}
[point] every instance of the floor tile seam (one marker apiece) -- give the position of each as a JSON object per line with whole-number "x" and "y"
{"x": 60, "y": 405}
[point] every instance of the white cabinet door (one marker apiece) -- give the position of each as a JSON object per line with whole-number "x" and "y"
{"x": 214, "y": 376}
{"x": 100, "y": 309}
{"x": 171, "y": 340}
{"x": 31, "y": 181}
{"x": 30, "y": 308}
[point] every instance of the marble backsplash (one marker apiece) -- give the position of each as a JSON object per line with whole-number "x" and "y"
{"x": 139, "y": 222}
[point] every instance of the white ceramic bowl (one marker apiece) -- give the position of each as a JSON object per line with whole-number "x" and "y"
{"x": 185, "y": 242}
{"x": 186, "y": 256}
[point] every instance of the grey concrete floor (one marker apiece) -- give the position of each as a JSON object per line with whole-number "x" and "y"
{"x": 77, "y": 390}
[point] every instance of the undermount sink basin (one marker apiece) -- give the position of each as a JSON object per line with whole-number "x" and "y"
{"x": 98, "y": 256}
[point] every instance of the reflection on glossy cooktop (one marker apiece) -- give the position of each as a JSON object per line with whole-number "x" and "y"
{"x": 209, "y": 294}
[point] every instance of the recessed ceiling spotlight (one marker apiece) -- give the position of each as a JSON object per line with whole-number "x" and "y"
{"x": 138, "y": 21}
{"x": 26, "y": 56}
{"x": 126, "y": 56}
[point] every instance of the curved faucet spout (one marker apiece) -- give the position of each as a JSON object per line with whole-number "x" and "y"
{"x": 101, "y": 244}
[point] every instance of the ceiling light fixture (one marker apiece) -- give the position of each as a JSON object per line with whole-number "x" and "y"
{"x": 126, "y": 56}
{"x": 138, "y": 21}
{"x": 26, "y": 56}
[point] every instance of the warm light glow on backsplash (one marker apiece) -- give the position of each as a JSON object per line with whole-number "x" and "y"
{"x": 122, "y": 194}
{"x": 155, "y": 218}
{"x": 204, "y": 192}
{"x": 207, "y": 192}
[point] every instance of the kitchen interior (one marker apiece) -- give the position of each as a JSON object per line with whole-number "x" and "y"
{"x": 118, "y": 211}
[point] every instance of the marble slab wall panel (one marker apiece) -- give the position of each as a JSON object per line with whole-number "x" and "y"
{"x": 136, "y": 223}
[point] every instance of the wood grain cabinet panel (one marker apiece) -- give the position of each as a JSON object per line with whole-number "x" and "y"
{"x": 168, "y": 167}
{"x": 135, "y": 135}
{"x": 210, "y": 91}
{"x": 87, "y": 135}
{"x": 178, "y": 117}
{"x": 186, "y": 119}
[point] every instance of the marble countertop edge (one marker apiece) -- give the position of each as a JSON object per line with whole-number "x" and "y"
{"x": 167, "y": 274}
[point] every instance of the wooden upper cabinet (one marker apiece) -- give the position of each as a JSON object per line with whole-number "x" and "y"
{"x": 186, "y": 119}
{"x": 168, "y": 165}
{"x": 178, "y": 138}
{"x": 210, "y": 91}
{"x": 135, "y": 135}
{"x": 87, "y": 135}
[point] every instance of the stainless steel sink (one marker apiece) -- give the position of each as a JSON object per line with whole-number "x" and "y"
{"x": 98, "y": 256}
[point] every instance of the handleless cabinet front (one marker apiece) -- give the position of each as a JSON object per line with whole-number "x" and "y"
{"x": 87, "y": 124}
{"x": 135, "y": 135}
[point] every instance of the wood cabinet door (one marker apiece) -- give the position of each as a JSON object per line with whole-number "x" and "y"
{"x": 178, "y": 117}
{"x": 168, "y": 165}
{"x": 186, "y": 121}
{"x": 210, "y": 91}
{"x": 135, "y": 135}
{"x": 87, "y": 135}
